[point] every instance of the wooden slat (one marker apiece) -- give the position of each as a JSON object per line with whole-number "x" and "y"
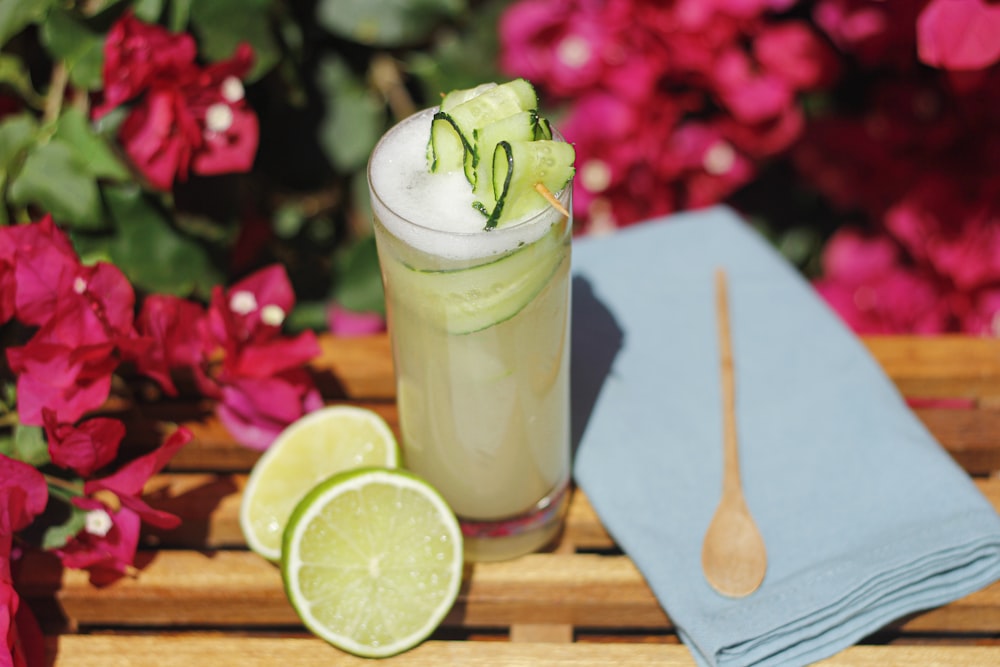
{"x": 210, "y": 507}
{"x": 237, "y": 588}
{"x": 940, "y": 367}
{"x": 239, "y": 651}
{"x": 971, "y": 436}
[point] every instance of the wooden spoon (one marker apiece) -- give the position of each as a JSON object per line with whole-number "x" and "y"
{"x": 733, "y": 555}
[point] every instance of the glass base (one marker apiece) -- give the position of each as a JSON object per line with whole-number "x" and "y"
{"x": 519, "y": 535}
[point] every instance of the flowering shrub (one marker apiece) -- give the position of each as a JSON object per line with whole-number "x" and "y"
{"x": 65, "y": 485}
{"x": 885, "y": 109}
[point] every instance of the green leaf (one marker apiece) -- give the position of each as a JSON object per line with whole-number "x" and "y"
{"x": 461, "y": 59}
{"x": 388, "y": 23}
{"x": 90, "y": 149}
{"x": 154, "y": 255}
{"x": 75, "y": 44}
{"x": 14, "y": 74}
{"x": 149, "y": 11}
{"x": 29, "y": 445}
{"x": 180, "y": 14}
{"x": 354, "y": 118}
{"x": 16, "y": 15}
{"x": 55, "y": 180}
{"x": 57, "y": 535}
{"x": 223, "y": 24}
{"x": 17, "y": 133}
{"x": 358, "y": 284}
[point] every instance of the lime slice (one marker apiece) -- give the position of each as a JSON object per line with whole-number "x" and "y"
{"x": 316, "y": 446}
{"x": 372, "y": 561}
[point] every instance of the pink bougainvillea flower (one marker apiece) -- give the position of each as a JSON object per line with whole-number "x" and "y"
{"x": 952, "y": 227}
{"x": 69, "y": 381}
{"x": 127, "y": 482}
{"x": 28, "y": 648}
{"x": 959, "y": 34}
{"x": 160, "y": 137}
{"x": 750, "y": 95}
{"x": 557, "y": 43}
{"x": 352, "y": 324}
{"x": 45, "y": 267}
{"x": 229, "y": 127}
{"x": 271, "y": 356}
{"x": 174, "y": 326}
{"x": 138, "y": 55}
{"x": 978, "y": 312}
{"x": 8, "y": 287}
{"x": 710, "y": 167}
{"x": 184, "y": 117}
{"x": 867, "y": 284}
{"x": 256, "y": 409}
{"x": 252, "y": 309}
{"x": 106, "y": 548}
{"x": 875, "y": 33}
{"x": 793, "y": 51}
{"x": 23, "y": 495}
{"x": 83, "y": 447}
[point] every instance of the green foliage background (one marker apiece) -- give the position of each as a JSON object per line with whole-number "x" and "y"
{"x": 330, "y": 76}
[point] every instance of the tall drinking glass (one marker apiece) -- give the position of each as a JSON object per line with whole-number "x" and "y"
{"x": 479, "y": 323}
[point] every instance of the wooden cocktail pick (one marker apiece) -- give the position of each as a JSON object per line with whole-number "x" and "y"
{"x": 733, "y": 555}
{"x": 551, "y": 198}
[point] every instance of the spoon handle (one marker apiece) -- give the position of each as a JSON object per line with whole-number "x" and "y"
{"x": 731, "y": 468}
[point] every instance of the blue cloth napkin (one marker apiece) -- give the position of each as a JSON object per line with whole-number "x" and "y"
{"x": 866, "y": 518}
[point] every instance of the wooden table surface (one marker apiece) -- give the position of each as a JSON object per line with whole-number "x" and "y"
{"x": 200, "y": 597}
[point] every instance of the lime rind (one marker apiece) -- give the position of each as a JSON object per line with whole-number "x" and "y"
{"x": 288, "y": 450}
{"x": 354, "y": 596}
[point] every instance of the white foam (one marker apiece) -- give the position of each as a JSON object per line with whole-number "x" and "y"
{"x": 434, "y": 212}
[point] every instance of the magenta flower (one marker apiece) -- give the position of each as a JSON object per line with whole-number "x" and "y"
{"x": 256, "y": 409}
{"x": 351, "y": 324}
{"x": 953, "y": 228}
{"x": 23, "y": 495}
{"x": 174, "y": 326}
{"x": 83, "y": 448}
{"x": 867, "y": 285}
{"x": 108, "y": 549}
{"x": 45, "y": 268}
{"x": 127, "y": 482}
{"x": 959, "y": 34}
{"x": 184, "y": 117}
{"x": 69, "y": 381}
{"x": 138, "y": 55}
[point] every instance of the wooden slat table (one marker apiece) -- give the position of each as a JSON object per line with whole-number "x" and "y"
{"x": 200, "y": 597}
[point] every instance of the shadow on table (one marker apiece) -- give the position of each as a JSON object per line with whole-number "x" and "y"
{"x": 596, "y": 339}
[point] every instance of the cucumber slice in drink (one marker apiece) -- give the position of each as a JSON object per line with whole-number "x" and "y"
{"x": 447, "y": 148}
{"x": 518, "y": 166}
{"x": 473, "y": 299}
{"x": 477, "y": 112}
{"x": 517, "y": 127}
{"x": 456, "y": 97}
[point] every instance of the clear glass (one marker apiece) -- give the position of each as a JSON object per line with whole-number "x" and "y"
{"x": 481, "y": 352}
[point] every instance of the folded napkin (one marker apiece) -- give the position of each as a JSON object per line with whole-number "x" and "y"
{"x": 866, "y": 518}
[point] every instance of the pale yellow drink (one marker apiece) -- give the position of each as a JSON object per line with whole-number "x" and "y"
{"x": 479, "y": 323}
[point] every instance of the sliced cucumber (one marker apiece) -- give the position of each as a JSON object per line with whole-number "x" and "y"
{"x": 488, "y": 107}
{"x": 447, "y": 148}
{"x": 516, "y": 127}
{"x": 456, "y": 97}
{"x": 473, "y": 299}
{"x": 518, "y": 166}
{"x": 543, "y": 129}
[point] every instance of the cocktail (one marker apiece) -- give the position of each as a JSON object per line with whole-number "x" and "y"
{"x": 477, "y": 280}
